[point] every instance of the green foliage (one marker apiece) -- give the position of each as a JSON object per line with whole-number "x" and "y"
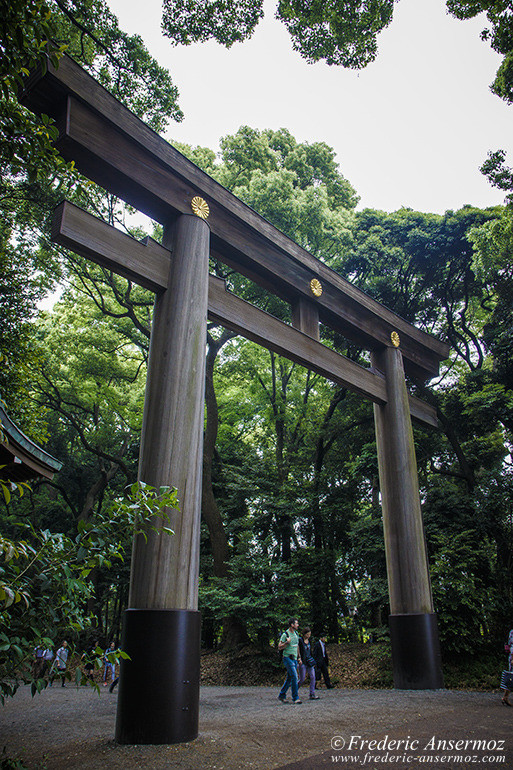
{"x": 119, "y": 61}
{"x": 499, "y": 34}
{"x": 463, "y": 591}
{"x": 8, "y": 487}
{"x": 185, "y": 22}
{"x": 45, "y": 578}
{"x": 44, "y": 588}
{"x": 367, "y": 569}
{"x": 27, "y": 30}
{"x": 259, "y": 592}
{"x": 479, "y": 671}
{"x": 33, "y": 178}
{"x": 250, "y": 156}
{"x": 11, "y": 763}
{"x": 338, "y": 32}
{"x": 144, "y": 503}
{"x": 499, "y": 174}
{"x": 341, "y": 32}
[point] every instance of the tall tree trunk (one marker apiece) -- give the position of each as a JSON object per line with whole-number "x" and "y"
{"x": 321, "y": 449}
{"x": 467, "y": 472}
{"x": 234, "y": 630}
{"x": 210, "y": 509}
{"x": 97, "y": 489}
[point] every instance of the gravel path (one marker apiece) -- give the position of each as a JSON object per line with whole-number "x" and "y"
{"x": 246, "y": 727}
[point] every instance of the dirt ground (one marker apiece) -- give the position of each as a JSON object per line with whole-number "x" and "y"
{"x": 247, "y": 727}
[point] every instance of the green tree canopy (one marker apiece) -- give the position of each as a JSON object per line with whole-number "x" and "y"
{"x": 33, "y": 179}
{"x": 340, "y": 32}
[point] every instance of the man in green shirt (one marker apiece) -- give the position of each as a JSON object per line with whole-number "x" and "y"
{"x": 288, "y": 643}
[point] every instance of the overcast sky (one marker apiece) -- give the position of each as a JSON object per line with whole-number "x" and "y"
{"x": 410, "y": 130}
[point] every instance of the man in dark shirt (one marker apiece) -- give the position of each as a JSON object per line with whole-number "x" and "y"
{"x": 320, "y": 655}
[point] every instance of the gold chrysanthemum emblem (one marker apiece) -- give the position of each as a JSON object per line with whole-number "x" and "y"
{"x": 200, "y": 207}
{"x": 396, "y": 340}
{"x": 316, "y": 287}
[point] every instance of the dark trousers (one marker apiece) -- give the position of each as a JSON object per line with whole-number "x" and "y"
{"x": 60, "y": 672}
{"x": 323, "y": 669}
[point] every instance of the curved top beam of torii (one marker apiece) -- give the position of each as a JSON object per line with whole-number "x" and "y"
{"x": 113, "y": 147}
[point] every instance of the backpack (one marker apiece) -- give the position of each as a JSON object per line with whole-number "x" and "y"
{"x": 280, "y": 649}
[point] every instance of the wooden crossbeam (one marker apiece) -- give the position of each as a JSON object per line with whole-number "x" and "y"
{"x": 117, "y": 150}
{"x": 147, "y": 263}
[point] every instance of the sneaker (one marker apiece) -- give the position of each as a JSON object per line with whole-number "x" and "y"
{"x": 297, "y": 702}
{"x": 282, "y": 698}
{"x": 314, "y": 697}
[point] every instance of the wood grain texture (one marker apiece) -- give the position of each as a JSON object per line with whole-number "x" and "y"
{"x": 305, "y": 317}
{"x": 165, "y": 568}
{"x": 409, "y": 583}
{"x": 145, "y": 263}
{"x": 135, "y": 163}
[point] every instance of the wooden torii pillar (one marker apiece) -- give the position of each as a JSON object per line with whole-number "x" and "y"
{"x": 159, "y": 685}
{"x": 162, "y": 625}
{"x": 412, "y": 621}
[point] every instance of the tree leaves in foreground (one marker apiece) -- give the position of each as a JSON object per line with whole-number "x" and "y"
{"x": 339, "y": 32}
{"x": 45, "y": 576}
{"x": 499, "y": 34}
{"x": 186, "y": 21}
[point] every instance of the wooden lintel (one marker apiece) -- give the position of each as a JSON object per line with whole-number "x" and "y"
{"x": 258, "y": 326}
{"x": 114, "y": 148}
{"x": 261, "y": 327}
{"x": 148, "y": 263}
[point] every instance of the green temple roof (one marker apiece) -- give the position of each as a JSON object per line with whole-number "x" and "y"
{"x": 20, "y": 457}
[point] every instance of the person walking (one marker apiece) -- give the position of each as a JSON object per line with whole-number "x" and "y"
{"x": 89, "y": 657}
{"x": 60, "y": 663}
{"x": 508, "y": 647}
{"x": 307, "y": 665}
{"x": 47, "y": 660}
{"x": 507, "y": 681}
{"x": 37, "y": 662}
{"x": 320, "y": 655}
{"x": 109, "y": 667}
{"x": 288, "y": 644}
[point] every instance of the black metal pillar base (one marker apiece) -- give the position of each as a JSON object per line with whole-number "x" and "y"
{"x": 416, "y": 658}
{"x": 158, "y": 699}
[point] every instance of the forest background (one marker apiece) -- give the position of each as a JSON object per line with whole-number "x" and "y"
{"x": 290, "y": 503}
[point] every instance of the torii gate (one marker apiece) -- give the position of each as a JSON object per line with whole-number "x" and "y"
{"x": 159, "y": 685}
